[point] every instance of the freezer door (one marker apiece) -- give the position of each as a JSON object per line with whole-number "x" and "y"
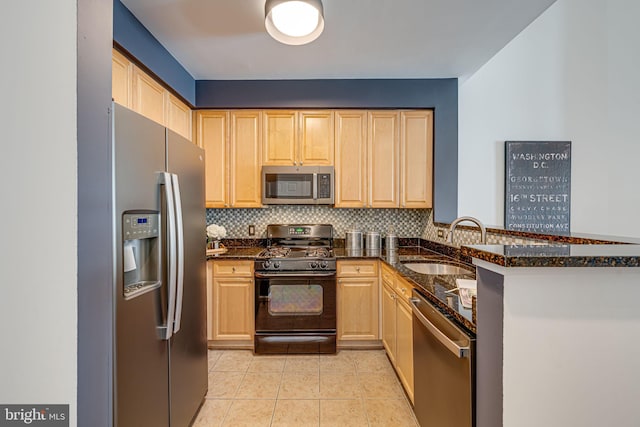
{"x": 141, "y": 380}
{"x": 188, "y": 345}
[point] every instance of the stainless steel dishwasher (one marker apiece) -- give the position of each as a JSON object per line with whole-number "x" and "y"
{"x": 443, "y": 368}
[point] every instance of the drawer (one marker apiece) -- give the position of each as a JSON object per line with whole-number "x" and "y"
{"x": 357, "y": 268}
{"x": 388, "y": 275}
{"x": 403, "y": 288}
{"x": 233, "y": 268}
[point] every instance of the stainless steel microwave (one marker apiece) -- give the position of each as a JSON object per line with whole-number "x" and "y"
{"x": 297, "y": 185}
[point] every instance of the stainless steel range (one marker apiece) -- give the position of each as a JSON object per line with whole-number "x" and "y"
{"x": 295, "y": 285}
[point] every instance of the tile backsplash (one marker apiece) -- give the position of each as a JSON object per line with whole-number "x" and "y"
{"x": 405, "y": 222}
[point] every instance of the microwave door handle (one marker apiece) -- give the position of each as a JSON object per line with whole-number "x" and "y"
{"x": 315, "y": 186}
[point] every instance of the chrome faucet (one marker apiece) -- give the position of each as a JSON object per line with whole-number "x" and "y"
{"x": 483, "y": 230}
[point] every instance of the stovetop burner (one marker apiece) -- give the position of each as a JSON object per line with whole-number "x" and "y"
{"x": 297, "y": 248}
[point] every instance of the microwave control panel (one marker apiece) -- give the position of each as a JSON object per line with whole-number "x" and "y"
{"x": 324, "y": 186}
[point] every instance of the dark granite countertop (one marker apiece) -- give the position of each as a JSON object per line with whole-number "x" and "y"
{"x": 434, "y": 287}
{"x": 556, "y": 255}
{"x": 241, "y": 253}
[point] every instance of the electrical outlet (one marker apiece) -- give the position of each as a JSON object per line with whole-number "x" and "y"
{"x": 252, "y": 230}
{"x": 441, "y": 234}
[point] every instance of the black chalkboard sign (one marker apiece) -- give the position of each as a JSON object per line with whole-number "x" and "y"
{"x": 538, "y": 186}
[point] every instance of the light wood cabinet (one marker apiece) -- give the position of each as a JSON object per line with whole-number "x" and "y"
{"x": 358, "y": 302}
{"x": 279, "y": 138}
{"x": 416, "y": 154}
{"x": 212, "y": 129}
{"x": 232, "y": 157}
{"x": 232, "y": 303}
{"x": 244, "y": 159}
{"x": 404, "y": 345}
{"x": 383, "y": 156}
{"x": 121, "y": 78}
{"x": 179, "y": 116}
{"x": 138, "y": 91}
{"x": 148, "y": 97}
{"x": 397, "y": 325}
{"x": 297, "y": 138}
{"x": 351, "y": 159}
{"x": 384, "y": 159}
{"x": 316, "y": 138}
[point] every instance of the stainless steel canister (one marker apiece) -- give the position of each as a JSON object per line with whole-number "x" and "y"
{"x": 372, "y": 239}
{"x": 353, "y": 243}
{"x": 391, "y": 247}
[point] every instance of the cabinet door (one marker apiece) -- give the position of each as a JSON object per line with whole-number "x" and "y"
{"x": 316, "y": 138}
{"x": 416, "y": 147}
{"x": 121, "y": 76}
{"x": 358, "y": 309}
{"x": 383, "y": 164}
{"x": 233, "y": 308}
{"x": 350, "y": 159}
{"x": 389, "y": 320}
{"x": 178, "y": 116}
{"x": 279, "y": 138}
{"x": 404, "y": 345}
{"x": 211, "y": 135}
{"x": 244, "y": 162}
{"x": 148, "y": 97}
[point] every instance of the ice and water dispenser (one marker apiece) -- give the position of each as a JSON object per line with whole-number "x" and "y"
{"x": 140, "y": 252}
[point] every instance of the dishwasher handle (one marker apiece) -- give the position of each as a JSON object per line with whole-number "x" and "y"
{"x": 453, "y": 347}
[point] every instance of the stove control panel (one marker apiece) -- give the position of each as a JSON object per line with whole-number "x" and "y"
{"x": 299, "y": 231}
{"x": 300, "y": 265}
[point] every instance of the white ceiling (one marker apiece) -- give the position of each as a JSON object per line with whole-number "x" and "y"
{"x": 226, "y": 39}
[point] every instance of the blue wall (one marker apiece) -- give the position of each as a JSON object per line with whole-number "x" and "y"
{"x": 129, "y": 33}
{"x": 439, "y": 94}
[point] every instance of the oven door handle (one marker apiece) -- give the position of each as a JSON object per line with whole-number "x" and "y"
{"x": 281, "y": 275}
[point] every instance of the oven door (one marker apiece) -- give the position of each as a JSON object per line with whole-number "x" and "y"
{"x": 295, "y": 313}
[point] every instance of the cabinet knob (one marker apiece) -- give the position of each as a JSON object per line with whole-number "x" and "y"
{"x": 295, "y": 163}
{"x": 233, "y": 269}
{"x": 358, "y": 269}
{"x": 402, "y": 290}
{"x": 301, "y": 163}
{"x": 226, "y": 205}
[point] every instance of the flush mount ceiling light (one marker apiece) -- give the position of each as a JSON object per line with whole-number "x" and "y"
{"x": 294, "y": 22}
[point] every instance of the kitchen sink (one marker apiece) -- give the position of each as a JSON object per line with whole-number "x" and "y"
{"x": 436, "y": 268}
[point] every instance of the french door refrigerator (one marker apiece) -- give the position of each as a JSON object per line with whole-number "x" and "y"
{"x": 160, "y": 347}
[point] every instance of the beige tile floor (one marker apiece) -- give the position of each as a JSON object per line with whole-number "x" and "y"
{"x": 351, "y": 388}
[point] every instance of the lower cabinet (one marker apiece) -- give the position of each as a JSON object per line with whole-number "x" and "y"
{"x": 230, "y": 305}
{"x": 358, "y": 303}
{"x": 397, "y": 326}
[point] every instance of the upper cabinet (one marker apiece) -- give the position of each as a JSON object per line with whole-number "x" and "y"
{"x": 244, "y": 159}
{"x": 351, "y": 159}
{"x": 416, "y": 154}
{"x": 384, "y": 159}
{"x": 137, "y": 90}
{"x": 212, "y": 130}
{"x": 148, "y": 97}
{"x": 315, "y": 134}
{"x": 121, "y": 79}
{"x": 297, "y": 138}
{"x": 231, "y": 141}
{"x": 384, "y": 153}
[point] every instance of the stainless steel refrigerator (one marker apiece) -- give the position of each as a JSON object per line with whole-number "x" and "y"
{"x": 160, "y": 347}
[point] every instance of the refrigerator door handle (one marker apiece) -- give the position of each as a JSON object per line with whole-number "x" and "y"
{"x": 180, "y": 247}
{"x": 165, "y": 179}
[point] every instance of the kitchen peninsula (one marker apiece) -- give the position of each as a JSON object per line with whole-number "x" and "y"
{"x": 556, "y": 324}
